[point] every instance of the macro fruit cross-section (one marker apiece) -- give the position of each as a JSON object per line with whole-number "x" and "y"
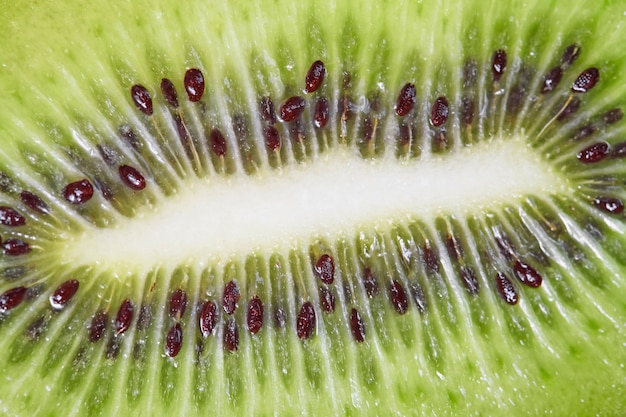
{"x": 313, "y": 208}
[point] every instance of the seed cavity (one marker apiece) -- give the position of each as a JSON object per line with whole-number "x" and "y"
{"x": 314, "y": 77}
{"x": 292, "y": 108}
{"x": 231, "y": 335}
{"x": 370, "y": 282}
{"x": 208, "y": 318}
{"x": 231, "y": 297}
{"x": 586, "y": 80}
{"x": 498, "y": 64}
{"x": 12, "y": 298}
{"x": 194, "y": 84}
{"x": 218, "y": 142}
{"x": 468, "y": 277}
{"x": 552, "y": 79}
{"x": 174, "y": 340}
{"x": 305, "y": 323}
{"x": 406, "y": 100}
{"x": 398, "y": 297}
{"x": 255, "y": 315}
{"x": 266, "y": 109}
{"x": 169, "y": 92}
{"x": 141, "y": 98}
{"x": 132, "y": 178}
{"x": 272, "y": 138}
{"x": 33, "y": 201}
{"x": 357, "y": 326}
{"x": 98, "y": 326}
{"x": 78, "y": 192}
{"x": 328, "y": 300}
{"x": 63, "y": 294}
{"x": 124, "y": 316}
{"x": 506, "y": 289}
{"x": 570, "y": 55}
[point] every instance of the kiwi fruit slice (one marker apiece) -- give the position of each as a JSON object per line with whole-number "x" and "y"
{"x": 281, "y": 208}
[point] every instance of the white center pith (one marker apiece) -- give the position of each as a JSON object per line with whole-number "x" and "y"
{"x": 337, "y": 194}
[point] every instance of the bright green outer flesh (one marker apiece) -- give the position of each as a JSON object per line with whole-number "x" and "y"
{"x": 65, "y": 77}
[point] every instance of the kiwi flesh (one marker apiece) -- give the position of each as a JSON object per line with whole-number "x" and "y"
{"x": 285, "y": 208}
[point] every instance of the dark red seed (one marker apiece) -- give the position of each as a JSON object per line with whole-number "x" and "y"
{"x": 468, "y": 277}
{"x": 571, "y": 108}
{"x": 12, "y": 298}
{"x": 305, "y": 323}
{"x": 552, "y": 79}
{"x": 370, "y": 282}
{"x": 194, "y": 84}
{"x": 406, "y": 99}
{"x": 231, "y": 297}
{"x": 231, "y": 335}
{"x": 398, "y": 297}
{"x": 34, "y": 202}
{"x": 570, "y": 55}
{"x": 255, "y": 315}
{"x": 467, "y": 110}
{"x": 174, "y": 340}
{"x": 169, "y": 92}
{"x": 78, "y": 192}
{"x": 315, "y": 76}
{"x": 586, "y": 80}
{"x": 527, "y": 274}
{"x": 609, "y": 204}
{"x": 15, "y": 247}
{"x": 594, "y": 153}
{"x": 328, "y": 300}
{"x": 178, "y": 303}
{"x": 439, "y": 112}
{"x": 292, "y": 108}
{"x": 218, "y": 142}
{"x": 272, "y": 138}
{"x": 98, "y": 326}
{"x": 357, "y": 326}
{"x": 10, "y": 217}
{"x": 431, "y": 258}
{"x": 63, "y": 294}
{"x": 141, "y": 98}
{"x": 613, "y": 116}
{"x": 124, "y": 316}
{"x": 498, "y": 64}
{"x": 320, "y": 118}
{"x": 208, "y": 318}
{"x": 506, "y": 289}
{"x": 266, "y": 108}
{"x": 325, "y": 269}
{"x": 132, "y": 178}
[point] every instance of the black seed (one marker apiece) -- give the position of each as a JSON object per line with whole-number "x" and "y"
{"x": 266, "y": 109}
{"x": 231, "y": 297}
{"x": 570, "y": 55}
{"x": 272, "y": 138}
{"x": 357, "y": 326}
{"x": 178, "y": 303}
{"x": 292, "y": 108}
{"x": 169, "y": 92}
{"x": 11, "y": 298}
{"x": 63, "y": 294}
{"x": 208, "y": 318}
{"x": 132, "y": 178}
{"x": 467, "y": 110}
{"x": 609, "y": 204}
{"x": 552, "y": 79}
{"x": 431, "y": 258}
{"x": 406, "y": 100}
{"x": 15, "y": 247}
{"x": 498, "y": 64}
{"x": 255, "y": 315}
{"x": 325, "y": 269}
{"x": 594, "y": 153}
{"x": 527, "y": 274}
{"x": 571, "y": 108}
{"x": 328, "y": 300}
{"x": 141, "y": 98}
{"x": 231, "y": 335}
{"x": 34, "y": 202}
{"x": 586, "y": 80}
{"x": 439, "y": 112}
{"x": 98, "y": 326}
{"x": 320, "y": 118}
{"x": 314, "y": 77}
{"x": 10, "y": 217}
{"x": 194, "y": 84}
{"x": 506, "y": 289}
{"x": 174, "y": 340}
{"x": 124, "y": 316}
{"x": 469, "y": 280}
{"x": 613, "y": 116}
{"x": 78, "y": 192}
{"x": 398, "y": 297}
{"x": 305, "y": 323}
{"x": 370, "y": 282}
{"x": 218, "y": 142}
